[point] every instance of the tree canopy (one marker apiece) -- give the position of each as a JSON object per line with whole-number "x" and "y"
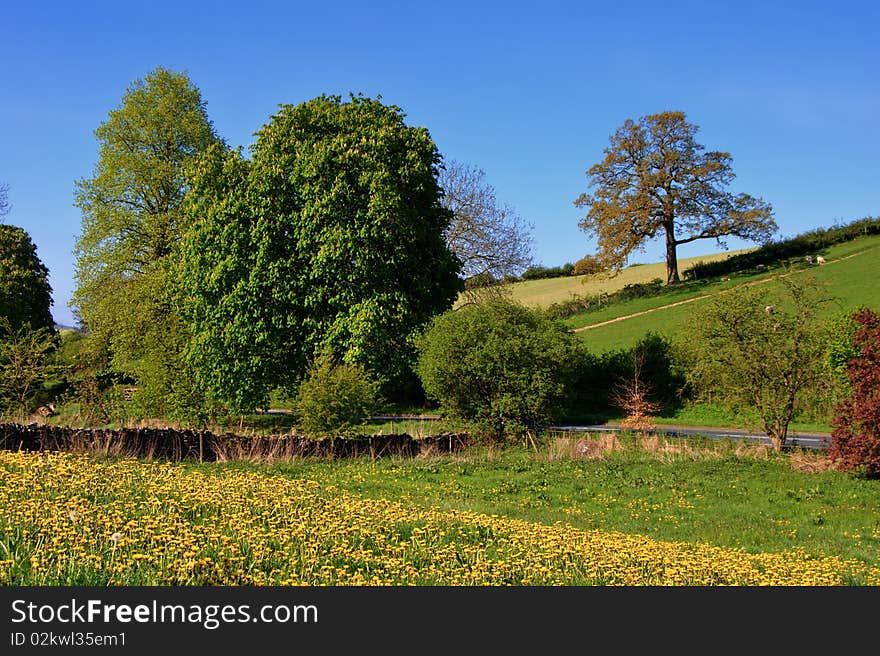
{"x": 329, "y": 239}
{"x": 25, "y": 294}
{"x": 657, "y": 180}
{"x": 131, "y": 223}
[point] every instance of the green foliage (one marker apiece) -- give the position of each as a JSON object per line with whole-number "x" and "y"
{"x": 578, "y": 304}
{"x": 761, "y": 348}
{"x": 25, "y": 294}
{"x": 538, "y": 272}
{"x": 655, "y": 179}
{"x": 499, "y": 364}
{"x": 855, "y": 441}
{"x": 841, "y": 348}
{"x": 330, "y": 238}
{"x": 654, "y": 361}
{"x": 131, "y": 223}
{"x": 335, "y": 398}
{"x": 24, "y": 365}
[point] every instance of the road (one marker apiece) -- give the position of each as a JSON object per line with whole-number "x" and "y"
{"x": 800, "y": 439}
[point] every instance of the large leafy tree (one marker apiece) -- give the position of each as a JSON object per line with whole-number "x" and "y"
{"x": 656, "y": 180}
{"x": 25, "y": 294}
{"x": 330, "y": 238}
{"x": 131, "y": 222}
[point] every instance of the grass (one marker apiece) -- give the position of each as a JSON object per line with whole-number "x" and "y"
{"x": 542, "y": 293}
{"x": 692, "y": 490}
{"x": 637, "y": 512}
{"x": 851, "y": 283}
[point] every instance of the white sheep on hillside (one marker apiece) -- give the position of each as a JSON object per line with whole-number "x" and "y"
{"x": 820, "y": 259}
{"x": 769, "y": 309}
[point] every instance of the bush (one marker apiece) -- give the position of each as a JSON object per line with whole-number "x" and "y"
{"x": 587, "y": 265}
{"x": 334, "y": 398}
{"x": 855, "y": 440}
{"x": 654, "y": 361}
{"x": 501, "y": 365}
{"x": 541, "y": 272}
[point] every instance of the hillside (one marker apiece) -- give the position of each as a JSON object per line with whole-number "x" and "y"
{"x": 542, "y": 293}
{"x": 850, "y": 279}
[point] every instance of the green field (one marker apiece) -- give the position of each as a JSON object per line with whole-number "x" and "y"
{"x": 649, "y": 512}
{"x": 850, "y": 279}
{"x": 542, "y": 293}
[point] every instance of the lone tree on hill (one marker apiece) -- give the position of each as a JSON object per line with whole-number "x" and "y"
{"x": 655, "y": 177}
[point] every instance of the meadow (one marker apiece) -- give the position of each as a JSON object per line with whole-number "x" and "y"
{"x": 542, "y": 293}
{"x": 848, "y": 280}
{"x": 637, "y": 513}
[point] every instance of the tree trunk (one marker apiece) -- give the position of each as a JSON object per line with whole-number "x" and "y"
{"x": 671, "y": 256}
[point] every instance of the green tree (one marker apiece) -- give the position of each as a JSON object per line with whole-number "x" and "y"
{"x": 131, "y": 223}
{"x": 24, "y": 364}
{"x": 334, "y": 398}
{"x": 656, "y": 179}
{"x": 499, "y": 364}
{"x": 25, "y": 294}
{"x": 762, "y": 349}
{"x": 329, "y": 238}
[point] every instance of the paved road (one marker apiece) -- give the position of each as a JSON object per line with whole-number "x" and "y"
{"x": 801, "y": 439}
{"x": 805, "y": 440}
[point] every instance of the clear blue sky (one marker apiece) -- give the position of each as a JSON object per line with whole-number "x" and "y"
{"x": 529, "y": 92}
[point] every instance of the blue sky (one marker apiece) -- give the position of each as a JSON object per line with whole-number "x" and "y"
{"x": 528, "y": 92}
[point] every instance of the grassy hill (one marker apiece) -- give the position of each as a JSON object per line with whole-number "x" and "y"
{"x": 543, "y": 293}
{"x": 850, "y": 279}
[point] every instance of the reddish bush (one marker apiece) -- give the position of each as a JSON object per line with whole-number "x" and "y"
{"x": 855, "y": 440}
{"x": 587, "y": 265}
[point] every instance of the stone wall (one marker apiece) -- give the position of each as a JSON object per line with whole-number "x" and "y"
{"x": 205, "y": 446}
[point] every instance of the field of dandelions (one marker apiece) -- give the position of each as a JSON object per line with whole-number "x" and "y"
{"x": 69, "y": 519}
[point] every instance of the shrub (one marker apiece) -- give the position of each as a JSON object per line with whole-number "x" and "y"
{"x": 541, "y": 272}
{"x": 655, "y": 362}
{"x": 334, "y": 398}
{"x": 587, "y": 265}
{"x": 501, "y": 365}
{"x": 24, "y": 365}
{"x": 761, "y": 350}
{"x": 855, "y": 440}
